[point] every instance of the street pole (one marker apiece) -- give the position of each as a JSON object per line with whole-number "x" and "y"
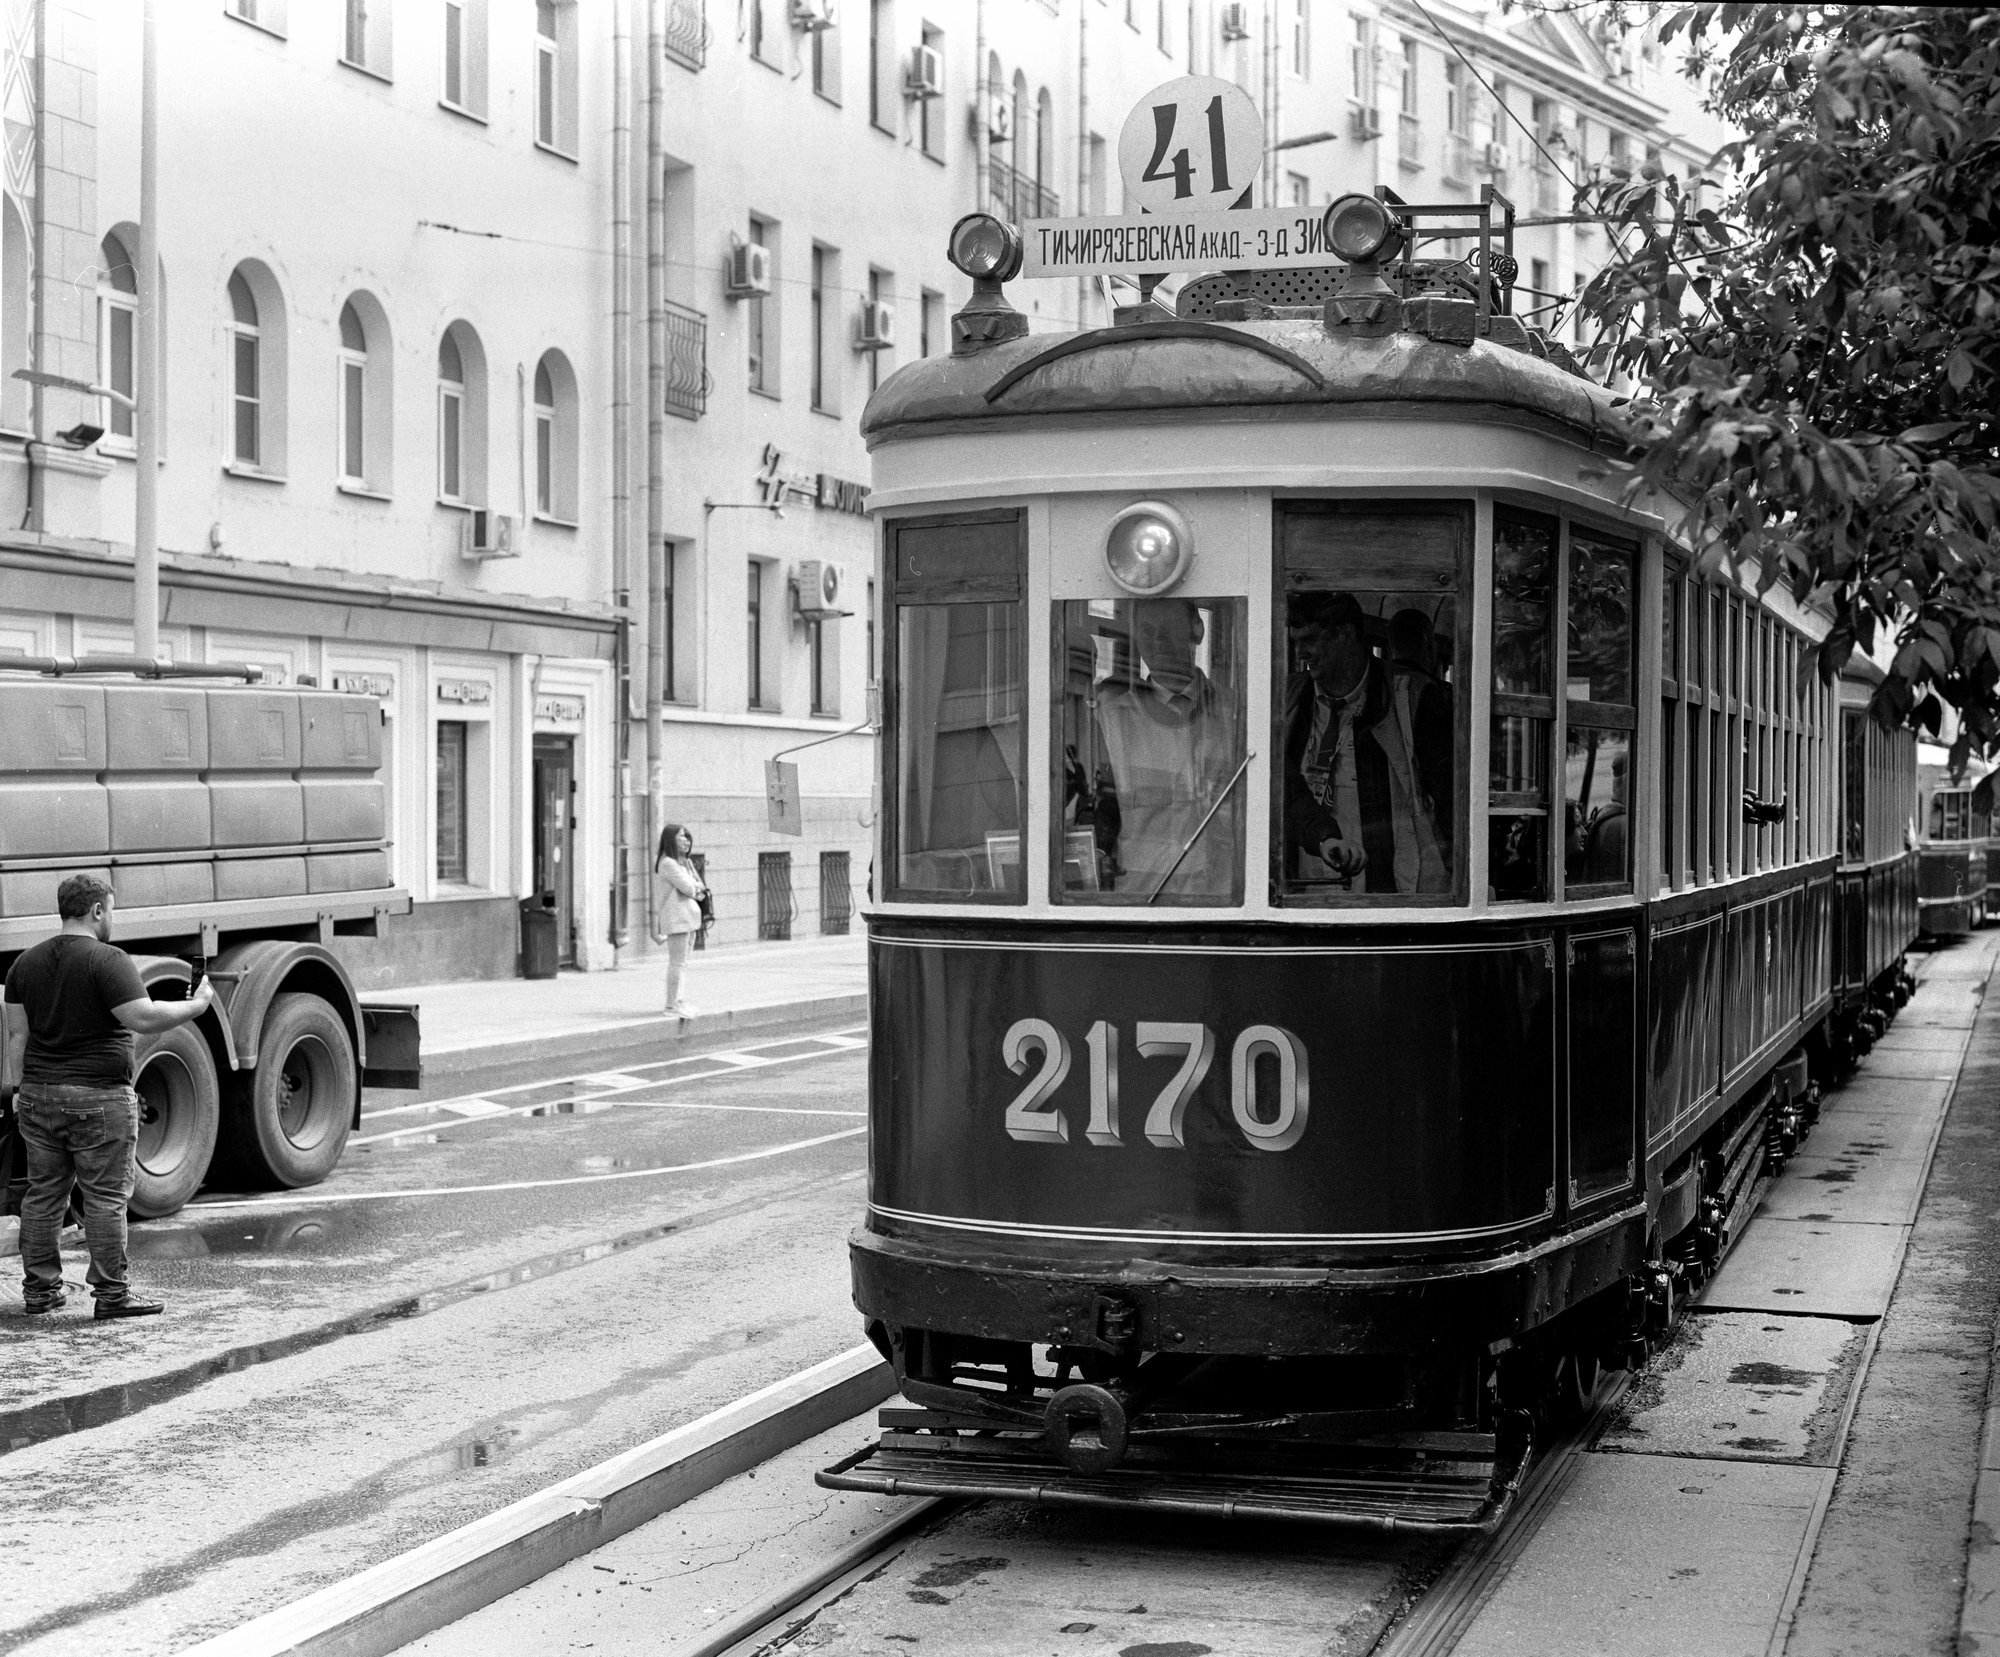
{"x": 146, "y": 346}
{"x": 621, "y": 460}
{"x": 657, "y": 689}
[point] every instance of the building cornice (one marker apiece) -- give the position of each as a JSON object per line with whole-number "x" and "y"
{"x": 21, "y": 550}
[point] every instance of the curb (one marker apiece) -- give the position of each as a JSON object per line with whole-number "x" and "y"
{"x": 654, "y": 1031}
{"x": 402, "y": 1599}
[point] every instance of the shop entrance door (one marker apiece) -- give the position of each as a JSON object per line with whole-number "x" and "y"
{"x": 555, "y": 835}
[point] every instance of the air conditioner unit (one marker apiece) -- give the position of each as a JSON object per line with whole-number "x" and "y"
{"x": 1494, "y": 160}
{"x": 1000, "y": 118}
{"x": 483, "y": 535}
{"x": 875, "y": 328}
{"x": 749, "y": 270}
{"x": 926, "y": 77}
{"x": 1364, "y": 121}
{"x": 1236, "y": 22}
{"x": 812, "y": 15}
{"x": 820, "y": 586}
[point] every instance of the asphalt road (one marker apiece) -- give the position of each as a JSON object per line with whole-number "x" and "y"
{"x": 506, "y": 1280}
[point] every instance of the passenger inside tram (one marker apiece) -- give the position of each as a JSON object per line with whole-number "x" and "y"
{"x": 1153, "y": 716}
{"x": 1368, "y": 745}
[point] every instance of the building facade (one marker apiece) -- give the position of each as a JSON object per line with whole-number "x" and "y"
{"x": 512, "y": 351}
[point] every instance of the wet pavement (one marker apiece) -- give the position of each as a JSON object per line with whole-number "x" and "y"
{"x": 478, "y": 1302}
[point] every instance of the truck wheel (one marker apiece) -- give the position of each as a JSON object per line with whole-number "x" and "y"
{"x": 180, "y": 1108}
{"x": 290, "y": 1116}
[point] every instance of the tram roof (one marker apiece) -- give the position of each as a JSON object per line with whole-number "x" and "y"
{"x": 1284, "y": 367}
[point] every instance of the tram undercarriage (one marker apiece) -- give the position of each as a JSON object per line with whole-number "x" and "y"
{"x": 1398, "y": 1398}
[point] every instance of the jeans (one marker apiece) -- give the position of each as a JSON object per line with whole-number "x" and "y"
{"x": 678, "y": 945}
{"x": 82, "y": 1136}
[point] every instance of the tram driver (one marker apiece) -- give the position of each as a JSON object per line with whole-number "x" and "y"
{"x": 1171, "y": 744}
{"x": 1367, "y": 750}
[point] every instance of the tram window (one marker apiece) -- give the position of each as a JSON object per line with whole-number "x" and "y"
{"x": 1517, "y": 811}
{"x": 959, "y": 707}
{"x": 1672, "y": 859}
{"x": 1370, "y": 782}
{"x": 1597, "y": 844}
{"x": 1151, "y": 762}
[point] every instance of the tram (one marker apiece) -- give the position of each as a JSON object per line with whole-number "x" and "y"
{"x": 1954, "y": 822}
{"x": 1355, "y": 906}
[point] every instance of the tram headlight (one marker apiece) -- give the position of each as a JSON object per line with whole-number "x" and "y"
{"x": 985, "y": 248}
{"x": 1149, "y": 549}
{"x": 1361, "y": 229}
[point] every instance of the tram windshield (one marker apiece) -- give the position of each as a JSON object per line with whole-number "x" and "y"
{"x": 1152, "y": 755}
{"x": 1951, "y": 814}
{"x": 1370, "y": 783}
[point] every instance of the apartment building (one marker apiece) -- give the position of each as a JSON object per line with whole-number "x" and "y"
{"x": 511, "y": 354}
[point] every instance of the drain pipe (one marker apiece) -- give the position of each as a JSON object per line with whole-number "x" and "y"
{"x": 982, "y": 139}
{"x": 656, "y": 426}
{"x": 621, "y": 464}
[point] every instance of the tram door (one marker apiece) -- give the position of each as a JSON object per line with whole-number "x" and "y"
{"x": 555, "y": 835}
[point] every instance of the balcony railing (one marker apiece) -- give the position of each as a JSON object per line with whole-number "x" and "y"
{"x": 685, "y": 36}
{"x": 688, "y": 379}
{"x": 1016, "y": 196}
{"x": 1409, "y": 141}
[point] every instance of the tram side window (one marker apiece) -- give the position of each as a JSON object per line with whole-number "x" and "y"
{"x": 1950, "y": 819}
{"x": 1152, "y": 757}
{"x": 1597, "y": 847}
{"x": 959, "y": 710}
{"x": 1524, "y": 706}
{"x": 1370, "y": 785}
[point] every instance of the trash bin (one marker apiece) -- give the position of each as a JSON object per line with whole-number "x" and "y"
{"x": 538, "y": 936}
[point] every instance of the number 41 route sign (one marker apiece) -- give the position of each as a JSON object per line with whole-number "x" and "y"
{"x": 1192, "y": 145}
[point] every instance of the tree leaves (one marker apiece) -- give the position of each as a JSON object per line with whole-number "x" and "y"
{"x": 1814, "y": 357}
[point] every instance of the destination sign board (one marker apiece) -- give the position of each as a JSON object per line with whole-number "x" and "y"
{"x": 1252, "y": 238}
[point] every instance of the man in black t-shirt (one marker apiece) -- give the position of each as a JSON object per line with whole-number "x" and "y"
{"x": 73, "y": 1003}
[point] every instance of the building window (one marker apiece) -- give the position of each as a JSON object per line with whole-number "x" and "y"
{"x": 882, "y": 89}
{"x": 117, "y": 325}
{"x": 1363, "y": 60}
{"x": 1298, "y": 189}
{"x": 1299, "y": 37}
{"x": 464, "y": 87}
{"x": 453, "y": 794}
{"x": 825, "y": 277}
{"x": 826, "y": 62}
{"x": 881, "y": 292}
{"x": 15, "y": 262}
{"x": 451, "y": 422}
{"x": 555, "y": 76}
{"x": 353, "y": 397}
{"x": 754, "y": 639}
{"x": 1455, "y": 110}
{"x": 268, "y": 15}
{"x": 756, "y": 8}
{"x": 365, "y": 39}
{"x": 246, "y": 352}
{"x": 1409, "y": 91}
{"x": 758, "y": 316}
{"x": 930, "y": 322}
{"x": 1160, "y": 33}
{"x": 822, "y": 699}
{"x": 555, "y": 439}
{"x": 930, "y": 111}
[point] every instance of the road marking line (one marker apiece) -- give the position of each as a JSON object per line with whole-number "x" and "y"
{"x": 320, "y": 1199}
{"x": 470, "y": 1108}
{"x": 614, "y": 1078}
{"x": 853, "y": 1036}
{"x": 753, "y": 1061}
{"x": 554, "y": 1107}
{"x": 771, "y": 1110}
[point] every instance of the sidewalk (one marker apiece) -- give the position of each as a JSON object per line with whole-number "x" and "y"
{"x": 469, "y": 1026}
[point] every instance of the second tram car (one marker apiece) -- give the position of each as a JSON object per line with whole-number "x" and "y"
{"x": 1355, "y": 908}
{"x": 1953, "y": 826}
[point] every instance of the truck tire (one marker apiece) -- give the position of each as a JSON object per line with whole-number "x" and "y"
{"x": 180, "y": 1109}
{"x": 289, "y": 1117}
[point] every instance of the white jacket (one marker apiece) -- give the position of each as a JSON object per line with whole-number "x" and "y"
{"x": 679, "y": 910}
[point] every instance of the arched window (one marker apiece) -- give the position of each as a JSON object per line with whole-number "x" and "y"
{"x": 256, "y": 440}
{"x": 1045, "y": 152}
{"x": 117, "y": 330}
{"x": 246, "y": 399}
{"x": 15, "y": 319}
{"x": 1023, "y": 145}
{"x": 555, "y": 439}
{"x": 461, "y": 400}
{"x": 362, "y": 393}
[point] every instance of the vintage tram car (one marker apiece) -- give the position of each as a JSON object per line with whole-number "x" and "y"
{"x": 1355, "y": 907}
{"x": 1954, "y": 822}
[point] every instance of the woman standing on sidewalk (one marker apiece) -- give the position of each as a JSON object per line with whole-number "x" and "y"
{"x": 681, "y": 909}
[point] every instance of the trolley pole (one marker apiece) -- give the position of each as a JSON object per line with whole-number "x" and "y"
{"x": 146, "y": 346}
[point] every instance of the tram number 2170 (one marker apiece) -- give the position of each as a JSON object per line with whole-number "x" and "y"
{"x": 1270, "y": 1124}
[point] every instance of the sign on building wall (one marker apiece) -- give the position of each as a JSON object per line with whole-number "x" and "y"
{"x": 781, "y": 797}
{"x": 562, "y": 710}
{"x": 779, "y": 484}
{"x": 466, "y": 692}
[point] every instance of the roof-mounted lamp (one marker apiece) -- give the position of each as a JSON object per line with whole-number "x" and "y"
{"x": 1362, "y": 233}
{"x": 989, "y": 251}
